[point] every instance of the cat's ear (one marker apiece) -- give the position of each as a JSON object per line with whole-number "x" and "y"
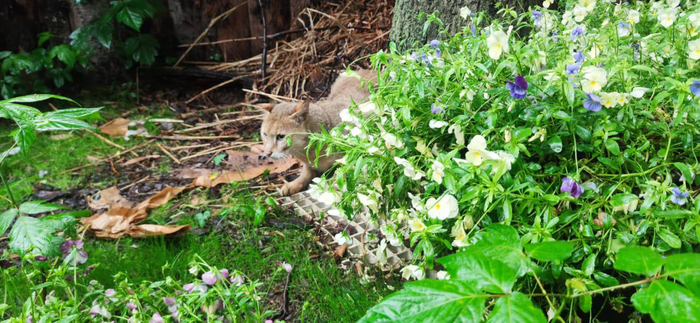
{"x": 266, "y": 107}
{"x": 300, "y": 112}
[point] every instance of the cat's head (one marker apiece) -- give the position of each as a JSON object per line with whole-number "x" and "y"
{"x": 284, "y": 129}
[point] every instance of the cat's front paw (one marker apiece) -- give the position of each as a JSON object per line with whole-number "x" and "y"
{"x": 291, "y": 188}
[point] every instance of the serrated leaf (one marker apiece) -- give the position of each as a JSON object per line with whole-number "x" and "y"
{"x": 58, "y": 221}
{"x": 555, "y": 144}
{"x": 430, "y": 301}
{"x": 28, "y": 233}
{"x": 131, "y": 17}
{"x": 64, "y": 53}
{"x": 142, "y": 48}
{"x": 612, "y": 146}
{"x": 6, "y": 219}
{"x": 686, "y": 269}
{"x": 638, "y": 260}
{"x": 669, "y": 237}
{"x": 667, "y": 302}
{"x": 502, "y": 242}
{"x": 76, "y": 113}
{"x": 550, "y": 250}
{"x": 58, "y": 122}
{"x": 36, "y": 207}
{"x": 24, "y": 137}
{"x": 516, "y": 308}
{"x": 485, "y": 273}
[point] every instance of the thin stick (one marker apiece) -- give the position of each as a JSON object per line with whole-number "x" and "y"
{"x": 206, "y": 30}
{"x": 189, "y": 147}
{"x": 272, "y": 96}
{"x": 264, "y": 49}
{"x": 218, "y": 123}
{"x": 190, "y": 137}
{"x": 136, "y": 183}
{"x": 216, "y": 87}
{"x": 168, "y": 153}
{"x": 218, "y": 149}
{"x": 105, "y": 140}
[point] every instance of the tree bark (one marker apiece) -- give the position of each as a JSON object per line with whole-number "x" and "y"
{"x": 407, "y": 29}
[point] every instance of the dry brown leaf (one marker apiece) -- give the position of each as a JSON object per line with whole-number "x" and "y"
{"x": 242, "y": 166}
{"x": 340, "y": 250}
{"x": 116, "y": 128}
{"x": 120, "y": 220}
{"x": 106, "y": 198}
{"x": 139, "y": 159}
{"x": 61, "y": 136}
{"x": 93, "y": 159}
{"x": 150, "y": 230}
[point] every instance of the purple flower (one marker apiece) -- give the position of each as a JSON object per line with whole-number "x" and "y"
{"x": 287, "y": 267}
{"x": 40, "y": 258}
{"x": 99, "y": 310}
{"x": 434, "y": 109}
{"x": 171, "y": 304}
{"x": 131, "y": 306}
{"x": 77, "y": 257}
{"x": 195, "y": 286}
{"x": 518, "y": 89}
{"x": 424, "y": 58}
{"x": 434, "y": 44}
{"x": 537, "y": 17}
{"x": 592, "y": 103}
{"x": 472, "y": 28}
{"x": 695, "y": 87}
{"x": 578, "y": 31}
{"x": 224, "y": 273}
{"x": 110, "y": 292}
{"x": 569, "y": 185}
{"x": 678, "y": 197}
{"x": 30, "y": 319}
{"x": 156, "y": 318}
{"x": 554, "y": 36}
{"x": 572, "y": 69}
{"x": 623, "y": 28}
{"x": 209, "y": 278}
{"x": 237, "y": 280}
{"x": 578, "y": 56}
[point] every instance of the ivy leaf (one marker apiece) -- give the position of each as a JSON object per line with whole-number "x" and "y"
{"x": 36, "y": 207}
{"x": 550, "y": 250}
{"x": 485, "y": 273}
{"x": 29, "y": 232}
{"x": 686, "y": 268}
{"x": 612, "y": 146}
{"x": 430, "y": 301}
{"x": 130, "y": 16}
{"x": 516, "y": 308}
{"x": 64, "y": 53}
{"x": 669, "y": 237}
{"x": 638, "y": 260}
{"x": 667, "y": 302}
{"x": 142, "y": 48}
{"x": 6, "y": 219}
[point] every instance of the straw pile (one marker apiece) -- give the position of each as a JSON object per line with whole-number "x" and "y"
{"x": 333, "y": 36}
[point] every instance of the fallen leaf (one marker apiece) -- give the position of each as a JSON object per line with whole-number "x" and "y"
{"x": 116, "y": 128}
{"x": 139, "y": 159}
{"x": 106, "y": 198}
{"x": 120, "y": 219}
{"x": 93, "y": 159}
{"x": 340, "y": 250}
{"x": 61, "y": 136}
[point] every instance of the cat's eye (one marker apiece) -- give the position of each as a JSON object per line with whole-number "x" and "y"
{"x": 280, "y": 137}
{"x": 264, "y": 135}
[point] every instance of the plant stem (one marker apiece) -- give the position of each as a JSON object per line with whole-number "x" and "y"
{"x": 9, "y": 192}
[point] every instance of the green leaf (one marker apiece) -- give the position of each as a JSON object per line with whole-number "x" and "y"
{"x": 673, "y": 214}
{"x": 36, "y": 98}
{"x": 36, "y": 207}
{"x": 130, "y": 16}
{"x": 76, "y": 113}
{"x": 686, "y": 269}
{"x": 516, "y": 308}
{"x": 483, "y": 272}
{"x": 550, "y": 250}
{"x": 585, "y": 303}
{"x": 685, "y": 170}
{"x": 58, "y": 122}
{"x": 103, "y": 33}
{"x": 430, "y": 301}
{"x": 605, "y": 279}
{"x": 25, "y": 137}
{"x": 667, "y": 302}
{"x": 569, "y": 92}
{"x": 583, "y": 133}
{"x": 669, "y": 237}
{"x": 64, "y": 53}
{"x": 219, "y": 158}
{"x": 638, "y": 260}
{"x": 622, "y": 199}
{"x": 588, "y": 266}
{"x": 43, "y": 37}
{"x": 58, "y": 221}
{"x": 555, "y": 144}
{"x": 28, "y": 233}
{"x": 142, "y": 48}
{"x": 612, "y": 146}
{"x": 6, "y": 219}
{"x": 502, "y": 242}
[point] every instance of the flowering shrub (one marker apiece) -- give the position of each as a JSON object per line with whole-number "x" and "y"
{"x": 63, "y": 292}
{"x": 527, "y": 154}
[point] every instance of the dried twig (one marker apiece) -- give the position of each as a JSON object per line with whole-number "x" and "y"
{"x": 177, "y": 161}
{"x": 264, "y": 40}
{"x": 218, "y": 123}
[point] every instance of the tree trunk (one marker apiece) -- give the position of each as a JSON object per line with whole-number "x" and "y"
{"x": 407, "y": 29}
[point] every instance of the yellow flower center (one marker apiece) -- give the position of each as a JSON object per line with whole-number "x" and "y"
{"x": 498, "y": 46}
{"x": 593, "y": 83}
{"x": 477, "y": 154}
{"x": 437, "y": 206}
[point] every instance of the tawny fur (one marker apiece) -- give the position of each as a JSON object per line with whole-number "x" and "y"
{"x": 297, "y": 120}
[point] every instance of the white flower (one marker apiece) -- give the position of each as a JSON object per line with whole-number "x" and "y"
{"x": 459, "y": 235}
{"x": 446, "y": 207}
{"x": 194, "y": 271}
{"x": 633, "y": 16}
{"x": 673, "y": 3}
{"x": 369, "y": 201}
{"x": 580, "y": 13}
{"x": 329, "y": 197}
{"x": 367, "y": 107}
{"x": 694, "y": 49}
{"x": 437, "y": 124}
{"x": 621, "y": 98}
{"x": 595, "y": 78}
{"x": 412, "y": 271}
{"x": 357, "y": 132}
{"x": 373, "y": 150}
{"x": 546, "y": 4}
{"x": 464, "y": 12}
{"x": 416, "y": 225}
{"x": 391, "y": 141}
{"x": 608, "y": 100}
{"x": 638, "y": 92}
{"x": 342, "y": 238}
{"x": 497, "y": 43}
{"x": 566, "y": 18}
{"x": 667, "y": 16}
{"x": 438, "y": 171}
{"x": 416, "y": 202}
{"x": 346, "y": 116}
{"x": 694, "y": 20}
{"x": 408, "y": 169}
{"x": 443, "y": 275}
{"x": 389, "y": 231}
{"x": 459, "y": 134}
{"x": 506, "y": 158}
{"x": 422, "y": 148}
{"x": 476, "y": 151}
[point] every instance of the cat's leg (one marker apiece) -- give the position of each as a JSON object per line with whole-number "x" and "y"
{"x": 295, "y": 186}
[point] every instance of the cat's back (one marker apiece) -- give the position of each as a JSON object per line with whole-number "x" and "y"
{"x": 349, "y": 87}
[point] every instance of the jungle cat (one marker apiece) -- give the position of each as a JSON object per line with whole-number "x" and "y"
{"x": 295, "y": 121}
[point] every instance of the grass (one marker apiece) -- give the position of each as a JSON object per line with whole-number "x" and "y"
{"x": 239, "y": 238}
